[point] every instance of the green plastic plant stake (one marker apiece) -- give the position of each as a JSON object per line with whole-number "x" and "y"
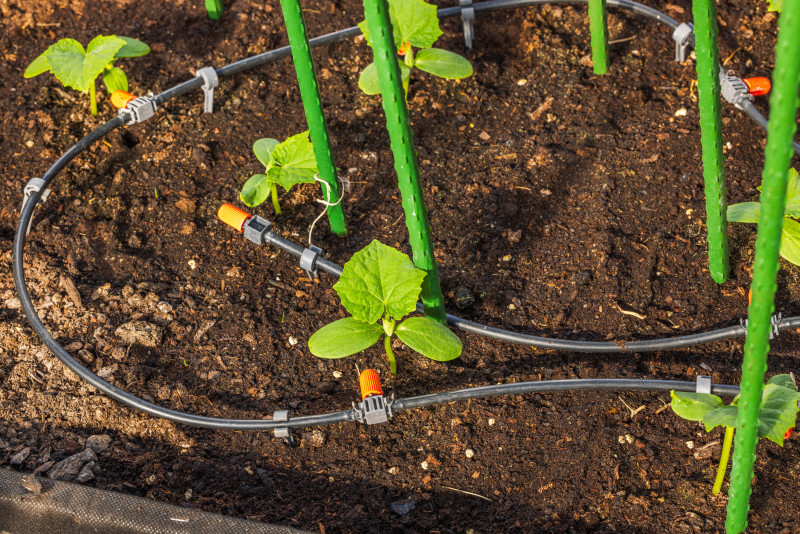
{"x": 215, "y": 9}
{"x": 315, "y": 117}
{"x": 598, "y": 27}
{"x": 405, "y": 157}
{"x": 777, "y": 158}
{"x": 704, "y": 13}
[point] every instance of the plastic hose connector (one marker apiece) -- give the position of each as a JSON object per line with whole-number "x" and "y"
{"x": 370, "y": 383}
{"x": 233, "y": 216}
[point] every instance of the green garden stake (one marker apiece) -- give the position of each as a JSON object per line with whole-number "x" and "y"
{"x": 215, "y": 9}
{"x": 704, "y": 13}
{"x": 598, "y": 27}
{"x": 777, "y": 158}
{"x": 315, "y": 117}
{"x": 405, "y": 157}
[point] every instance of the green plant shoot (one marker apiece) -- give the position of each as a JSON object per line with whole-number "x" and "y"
{"x": 775, "y": 420}
{"x": 215, "y": 9}
{"x": 78, "y": 68}
{"x": 749, "y": 212}
{"x": 379, "y": 286}
{"x": 288, "y": 163}
{"x": 775, "y": 5}
{"x": 415, "y": 24}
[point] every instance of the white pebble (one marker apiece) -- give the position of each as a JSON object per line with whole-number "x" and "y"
{"x": 690, "y": 444}
{"x": 424, "y": 466}
{"x": 337, "y": 374}
{"x": 192, "y": 264}
{"x": 491, "y": 421}
{"x": 292, "y": 341}
{"x": 470, "y": 453}
{"x": 681, "y": 112}
{"x": 393, "y": 470}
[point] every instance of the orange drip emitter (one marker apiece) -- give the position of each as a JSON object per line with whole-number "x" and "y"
{"x": 120, "y": 99}
{"x": 373, "y": 407}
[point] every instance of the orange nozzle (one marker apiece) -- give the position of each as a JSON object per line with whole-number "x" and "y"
{"x": 750, "y": 296}
{"x": 758, "y": 86}
{"x": 120, "y": 99}
{"x": 370, "y": 383}
{"x": 404, "y": 48}
{"x": 233, "y": 216}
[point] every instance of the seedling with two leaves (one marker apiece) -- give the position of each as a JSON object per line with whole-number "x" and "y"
{"x": 415, "y": 24}
{"x": 749, "y": 212}
{"x": 78, "y": 68}
{"x": 379, "y": 286}
{"x": 288, "y": 163}
{"x": 775, "y": 420}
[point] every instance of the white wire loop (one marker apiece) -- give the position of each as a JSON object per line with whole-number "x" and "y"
{"x": 345, "y": 186}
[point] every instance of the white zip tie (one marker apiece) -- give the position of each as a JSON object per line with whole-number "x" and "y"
{"x": 345, "y": 187}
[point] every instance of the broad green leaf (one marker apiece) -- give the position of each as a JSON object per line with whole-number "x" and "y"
{"x": 132, "y": 48}
{"x": 414, "y": 21}
{"x": 255, "y": 190}
{"x": 100, "y": 52}
{"x": 38, "y": 66}
{"x": 778, "y": 411}
{"x": 77, "y": 68}
{"x": 443, "y": 64}
{"x": 775, "y": 5}
{"x": 792, "y": 195}
{"x": 429, "y": 338}
{"x": 790, "y": 240}
{"x": 693, "y": 406}
{"x": 115, "y": 79}
{"x": 294, "y": 162}
{"x": 377, "y": 280}
{"x": 263, "y": 149}
{"x": 344, "y": 337}
{"x": 368, "y": 81}
{"x": 783, "y": 381}
{"x": 724, "y": 416}
{"x": 745, "y": 212}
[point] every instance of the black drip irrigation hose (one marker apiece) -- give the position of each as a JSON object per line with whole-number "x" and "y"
{"x": 332, "y": 268}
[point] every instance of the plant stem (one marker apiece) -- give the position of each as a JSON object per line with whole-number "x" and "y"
{"x": 387, "y": 344}
{"x": 723, "y": 460}
{"x": 93, "y": 98}
{"x": 273, "y": 187}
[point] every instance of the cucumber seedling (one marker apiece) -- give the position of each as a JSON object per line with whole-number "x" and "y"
{"x": 78, "y": 68}
{"x": 775, "y": 419}
{"x": 415, "y": 24}
{"x": 288, "y": 163}
{"x": 379, "y": 286}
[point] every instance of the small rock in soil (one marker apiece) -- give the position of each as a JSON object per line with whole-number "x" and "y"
{"x": 141, "y": 333}
{"x": 68, "y": 468}
{"x": 86, "y": 474}
{"x": 326, "y": 387}
{"x": 21, "y": 456}
{"x": 34, "y": 484}
{"x": 403, "y": 507}
{"x": 464, "y": 298}
{"x": 316, "y": 438}
{"x": 44, "y": 467}
{"x": 98, "y": 442}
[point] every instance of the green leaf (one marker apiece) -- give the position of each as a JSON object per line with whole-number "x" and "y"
{"x": 775, "y": 5}
{"x": 214, "y": 8}
{"x": 132, "y": 48}
{"x": 77, "y": 68}
{"x": 790, "y": 240}
{"x": 443, "y": 64}
{"x": 344, "y": 337}
{"x": 255, "y": 190}
{"x": 783, "y": 381}
{"x": 263, "y": 149}
{"x": 115, "y": 80}
{"x": 745, "y": 212}
{"x": 429, "y": 338}
{"x": 294, "y": 162}
{"x": 38, "y": 66}
{"x": 693, "y": 406}
{"x": 414, "y": 21}
{"x": 379, "y": 280}
{"x": 368, "y": 81}
{"x": 778, "y": 411}
{"x": 724, "y": 416}
{"x": 792, "y": 195}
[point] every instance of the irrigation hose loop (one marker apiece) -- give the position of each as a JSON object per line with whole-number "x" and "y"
{"x": 126, "y": 398}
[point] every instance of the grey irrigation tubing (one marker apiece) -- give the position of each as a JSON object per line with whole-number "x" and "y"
{"x": 350, "y": 415}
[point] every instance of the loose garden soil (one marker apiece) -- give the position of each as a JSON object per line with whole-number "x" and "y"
{"x": 562, "y": 204}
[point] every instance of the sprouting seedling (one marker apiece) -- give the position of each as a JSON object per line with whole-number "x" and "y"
{"x": 78, "y": 68}
{"x": 748, "y": 212}
{"x": 415, "y": 24}
{"x": 379, "y": 286}
{"x": 775, "y": 419}
{"x": 288, "y": 163}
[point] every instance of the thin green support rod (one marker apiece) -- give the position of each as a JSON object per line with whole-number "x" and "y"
{"x": 405, "y": 157}
{"x": 777, "y": 158}
{"x": 315, "y": 116}
{"x": 704, "y": 13}
{"x": 598, "y": 27}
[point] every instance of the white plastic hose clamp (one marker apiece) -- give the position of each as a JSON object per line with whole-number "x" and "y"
{"x": 703, "y": 384}
{"x": 284, "y": 433}
{"x": 683, "y": 40}
{"x": 308, "y": 261}
{"x": 467, "y": 18}
{"x": 210, "y": 82}
{"x": 33, "y": 185}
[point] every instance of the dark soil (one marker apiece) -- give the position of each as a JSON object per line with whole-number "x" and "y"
{"x": 564, "y": 203}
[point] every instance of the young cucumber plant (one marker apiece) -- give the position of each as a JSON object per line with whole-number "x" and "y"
{"x": 415, "y": 24}
{"x": 779, "y": 407}
{"x": 379, "y": 286}
{"x": 78, "y": 68}
{"x": 748, "y": 212}
{"x": 288, "y": 163}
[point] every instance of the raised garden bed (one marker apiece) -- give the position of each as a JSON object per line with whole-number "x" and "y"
{"x": 579, "y": 216}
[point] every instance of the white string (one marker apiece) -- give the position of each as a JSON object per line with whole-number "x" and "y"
{"x": 325, "y": 202}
